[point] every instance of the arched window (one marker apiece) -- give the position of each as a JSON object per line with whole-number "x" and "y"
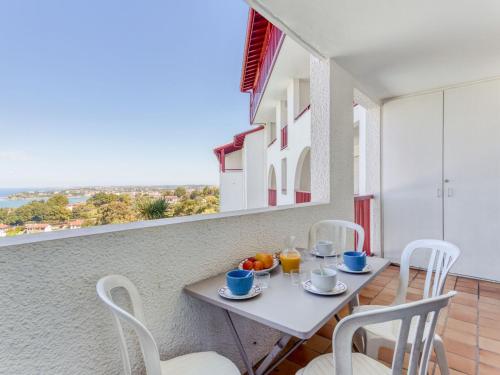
{"x": 303, "y": 177}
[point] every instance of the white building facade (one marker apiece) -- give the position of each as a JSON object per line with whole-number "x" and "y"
{"x": 270, "y": 164}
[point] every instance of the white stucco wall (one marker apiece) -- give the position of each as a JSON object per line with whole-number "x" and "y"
{"x": 51, "y": 321}
{"x": 254, "y": 169}
{"x": 231, "y": 191}
{"x": 234, "y": 160}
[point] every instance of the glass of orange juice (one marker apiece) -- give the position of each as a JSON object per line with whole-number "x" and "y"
{"x": 290, "y": 257}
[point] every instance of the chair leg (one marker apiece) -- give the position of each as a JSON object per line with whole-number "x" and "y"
{"x": 441, "y": 355}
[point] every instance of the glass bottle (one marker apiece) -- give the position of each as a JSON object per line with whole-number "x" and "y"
{"x": 290, "y": 257}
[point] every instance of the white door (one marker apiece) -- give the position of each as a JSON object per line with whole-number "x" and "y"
{"x": 472, "y": 167}
{"x": 412, "y": 134}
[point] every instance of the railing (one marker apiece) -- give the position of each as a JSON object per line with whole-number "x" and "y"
{"x": 284, "y": 137}
{"x": 302, "y": 196}
{"x": 274, "y": 39}
{"x": 271, "y": 197}
{"x": 303, "y": 111}
{"x": 362, "y": 217}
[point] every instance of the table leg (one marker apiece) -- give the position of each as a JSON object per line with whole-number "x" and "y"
{"x": 241, "y": 349}
{"x": 283, "y": 357}
{"x": 275, "y": 351}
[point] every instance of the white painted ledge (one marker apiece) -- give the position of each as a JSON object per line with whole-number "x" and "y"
{"x": 110, "y": 228}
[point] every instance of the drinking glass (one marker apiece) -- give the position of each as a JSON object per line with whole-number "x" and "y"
{"x": 297, "y": 276}
{"x": 262, "y": 279}
{"x": 330, "y": 262}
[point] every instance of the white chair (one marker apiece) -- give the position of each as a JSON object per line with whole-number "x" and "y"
{"x": 443, "y": 255}
{"x": 189, "y": 364}
{"x": 336, "y": 231}
{"x": 423, "y": 315}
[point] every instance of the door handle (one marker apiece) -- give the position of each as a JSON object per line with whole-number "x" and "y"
{"x": 450, "y": 192}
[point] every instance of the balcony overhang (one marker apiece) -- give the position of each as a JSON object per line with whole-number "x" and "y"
{"x": 292, "y": 62}
{"x": 393, "y": 48}
{"x": 236, "y": 145}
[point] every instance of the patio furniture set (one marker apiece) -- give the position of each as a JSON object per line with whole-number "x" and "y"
{"x": 297, "y": 305}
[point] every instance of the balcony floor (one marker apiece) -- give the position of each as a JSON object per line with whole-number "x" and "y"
{"x": 469, "y": 326}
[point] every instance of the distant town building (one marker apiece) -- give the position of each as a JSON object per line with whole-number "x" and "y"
{"x": 75, "y": 224}
{"x": 37, "y": 228}
{"x": 171, "y": 198}
{"x": 3, "y": 230}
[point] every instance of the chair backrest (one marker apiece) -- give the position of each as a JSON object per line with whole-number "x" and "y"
{"x": 336, "y": 231}
{"x": 443, "y": 255}
{"x": 425, "y": 311}
{"x": 136, "y": 320}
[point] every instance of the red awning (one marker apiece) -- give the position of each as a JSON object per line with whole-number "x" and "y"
{"x": 254, "y": 44}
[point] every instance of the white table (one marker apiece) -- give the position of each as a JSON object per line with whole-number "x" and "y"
{"x": 284, "y": 307}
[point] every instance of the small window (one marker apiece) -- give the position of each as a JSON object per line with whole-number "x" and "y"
{"x": 283, "y": 176}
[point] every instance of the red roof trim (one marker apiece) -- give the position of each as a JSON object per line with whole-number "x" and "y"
{"x": 257, "y": 29}
{"x": 235, "y": 145}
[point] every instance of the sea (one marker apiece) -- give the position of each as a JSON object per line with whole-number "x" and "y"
{"x": 8, "y": 203}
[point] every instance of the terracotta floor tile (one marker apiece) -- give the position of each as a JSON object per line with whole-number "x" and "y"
{"x": 488, "y": 300}
{"x": 327, "y": 331}
{"x": 466, "y": 299}
{"x": 494, "y": 295}
{"x": 462, "y": 326}
{"x": 461, "y": 347}
{"x": 364, "y": 300}
{"x": 489, "y": 358}
{"x": 489, "y": 344}
{"x": 489, "y": 286}
{"x": 489, "y": 314}
{"x": 303, "y": 355}
{"x": 466, "y": 289}
{"x": 318, "y": 343}
{"x": 489, "y": 332}
{"x": 487, "y": 370}
{"x": 489, "y": 307}
{"x": 460, "y": 336}
{"x": 461, "y": 314}
{"x": 485, "y": 322}
{"x": 459, "y": 363}
{"x": 286, "y": 368}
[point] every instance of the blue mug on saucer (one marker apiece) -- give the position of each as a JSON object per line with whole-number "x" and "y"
{"x": 239, "y": 282}
{"x": 354, "y": 260}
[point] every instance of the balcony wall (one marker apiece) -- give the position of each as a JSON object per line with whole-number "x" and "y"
{"x": 52, "y": 322}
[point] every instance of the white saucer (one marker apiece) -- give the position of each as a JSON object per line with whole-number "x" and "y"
{"x": 315, "y": 252}
{"x": 226, "y": 293}
{"x": 344, "y": 268}
{"x": 339, "y": 288}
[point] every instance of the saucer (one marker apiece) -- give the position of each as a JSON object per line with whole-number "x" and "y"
{"x": 339, "y": 288}
{"x": 344, "y": 268}
{"x": 315, "y": 252}
{"x": 224, "y": 292}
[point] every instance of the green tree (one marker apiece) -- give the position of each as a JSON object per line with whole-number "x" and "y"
{"x": 102, "y": 198}
{"x": 180, "y": 191}
{"x": 153, "y": 209}
{"x": 115, "y": 212}
{"x": 4, "y": 214}
{"x": 58, "y": 200}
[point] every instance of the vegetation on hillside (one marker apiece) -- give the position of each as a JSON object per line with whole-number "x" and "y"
{"x": 108, "y": 208}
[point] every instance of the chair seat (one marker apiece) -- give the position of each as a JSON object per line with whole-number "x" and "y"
{"x": 387, "y": 330}
{"x": 199, "y": 364}
{"x": 361, "y": 365}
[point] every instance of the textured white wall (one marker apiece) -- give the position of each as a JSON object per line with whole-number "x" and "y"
{"x": 232, "y": 191}
{"x": 51, "y": 321}
{"x": 254, "y": 168}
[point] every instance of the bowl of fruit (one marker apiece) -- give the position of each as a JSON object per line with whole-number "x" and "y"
{"x": 261, "y": 262}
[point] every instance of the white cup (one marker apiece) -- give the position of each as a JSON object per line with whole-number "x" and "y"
{"x": 324, "y": 247}
{"x": 324, "y": 280}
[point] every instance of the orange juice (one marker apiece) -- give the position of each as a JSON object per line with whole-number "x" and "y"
{"x": 290, "y": 261}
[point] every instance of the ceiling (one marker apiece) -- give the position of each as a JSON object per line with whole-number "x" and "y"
{"x": 396, "y": 47}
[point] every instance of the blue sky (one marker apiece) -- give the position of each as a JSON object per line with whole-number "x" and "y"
{"x": 118, "y": 92}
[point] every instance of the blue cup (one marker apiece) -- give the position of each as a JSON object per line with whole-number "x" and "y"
{"x": 354, "y": 261}
{"x": 239, "y": 282}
